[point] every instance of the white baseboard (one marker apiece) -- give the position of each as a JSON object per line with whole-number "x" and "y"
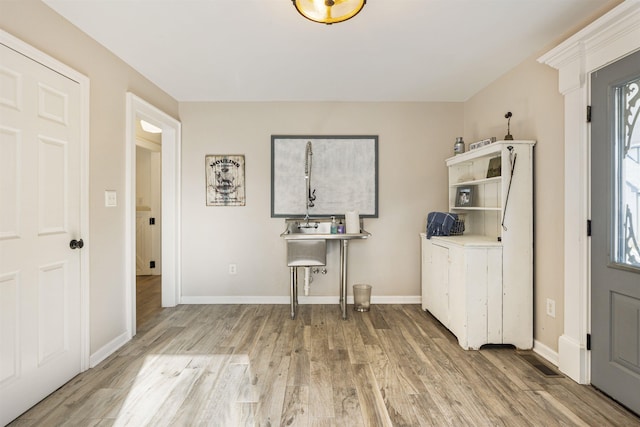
{"x": 397, "y": 299}
{"x": 108, "y": 349}
{"x": 546, "y": 352}
{"x": 574, "y": 360}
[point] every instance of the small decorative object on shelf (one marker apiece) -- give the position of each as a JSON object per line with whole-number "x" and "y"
{"x": 508, "y": 136}
{"x": 458, "y": 147}
{"x": 495, "y": 167}
{"x": 465, "y": 197}
{"x": 482, "y": 143}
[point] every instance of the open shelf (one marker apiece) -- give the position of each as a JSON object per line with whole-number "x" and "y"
{"x": 476, "y": 208}
{"x": 476, "y": 181}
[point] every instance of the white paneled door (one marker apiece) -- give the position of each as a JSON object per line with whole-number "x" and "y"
{"x": 40, "y": 341}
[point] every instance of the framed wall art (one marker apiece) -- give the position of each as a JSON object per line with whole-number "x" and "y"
{"x": 495, "y": 167}
{"x": 225, "y": 185}
{"x": 465, "y": 196}
{"x": 342, "y": 175}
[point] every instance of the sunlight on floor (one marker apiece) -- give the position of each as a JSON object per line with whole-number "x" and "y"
{"x": 191, "y": 389}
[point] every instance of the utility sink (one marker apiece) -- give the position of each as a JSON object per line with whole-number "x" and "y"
{"x": 307, "y": 240}
{"x": 317, "y": 228}
{"x": 307, "y": 246}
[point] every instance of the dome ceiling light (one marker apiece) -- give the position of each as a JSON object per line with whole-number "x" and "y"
{"x": 329, "y": 11}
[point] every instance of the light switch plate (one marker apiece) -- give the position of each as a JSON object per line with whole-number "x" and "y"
{"x": 110, "y": 198}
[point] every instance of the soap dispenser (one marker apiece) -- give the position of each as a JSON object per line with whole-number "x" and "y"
{"x": 334, "y": 226}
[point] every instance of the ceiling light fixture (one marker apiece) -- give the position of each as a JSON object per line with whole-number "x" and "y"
{"x": 329, "y": 11}
{"x": 148, "y": 127}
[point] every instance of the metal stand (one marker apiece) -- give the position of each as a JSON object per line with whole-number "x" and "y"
{"x": 343, "y": 277}
{"x": 293, "y": 282}
{"x": 293, "y": 292}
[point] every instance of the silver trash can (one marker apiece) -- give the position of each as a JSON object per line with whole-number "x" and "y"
{"x": 361, "y": 297}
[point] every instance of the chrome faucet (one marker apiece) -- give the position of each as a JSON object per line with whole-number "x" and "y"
{"x": 310, "y": 195}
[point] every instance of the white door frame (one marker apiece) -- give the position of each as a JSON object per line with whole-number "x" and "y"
{"x": 44, "y": 59}
{"x": 611, "y": 37}
{"x": 171, "y": 142}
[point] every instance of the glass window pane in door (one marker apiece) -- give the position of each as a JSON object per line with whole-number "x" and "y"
{"x": 627, "y": 168}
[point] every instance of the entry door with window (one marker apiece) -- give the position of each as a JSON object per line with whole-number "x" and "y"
{"x": 615, "y": 242}
{"x": 40, "y": 342}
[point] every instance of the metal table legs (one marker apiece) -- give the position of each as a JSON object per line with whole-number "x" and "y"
{"x": 343, "y": 277}
{"x": 293, "y": 292}
{"x": 293, "y": 282}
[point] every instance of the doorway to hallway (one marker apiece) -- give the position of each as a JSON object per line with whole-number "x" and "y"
{"x": 169, "y": 205}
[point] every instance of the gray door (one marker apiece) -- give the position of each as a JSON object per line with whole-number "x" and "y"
{"x": 615, "y": 210}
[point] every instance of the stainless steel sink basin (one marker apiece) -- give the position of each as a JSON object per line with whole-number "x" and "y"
{"x": 306, "y": 253}
{"x": 317, "y": 228}
{"x": 309, "y": 227}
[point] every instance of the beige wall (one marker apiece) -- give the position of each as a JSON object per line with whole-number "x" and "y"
{"x": 530, "y": 92}
{"x": 414, "y": 140}
{"x": 36, "y": 24}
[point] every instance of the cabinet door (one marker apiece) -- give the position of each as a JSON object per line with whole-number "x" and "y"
{"x": 458, "y": 294}
{"x": 439, "y": 281}
{"x": 425, "y": 271}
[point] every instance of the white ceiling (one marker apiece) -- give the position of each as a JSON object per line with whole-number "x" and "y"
{"x": 263, "y": 50}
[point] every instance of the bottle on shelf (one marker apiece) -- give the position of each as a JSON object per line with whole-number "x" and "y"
{"x": 458, "y": 147}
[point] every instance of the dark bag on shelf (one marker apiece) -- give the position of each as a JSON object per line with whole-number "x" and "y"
{"x": 443, "y": 224}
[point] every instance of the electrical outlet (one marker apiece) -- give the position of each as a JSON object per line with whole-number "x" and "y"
{"x": 233, "y": 269}
{"x": 551, "y": 307}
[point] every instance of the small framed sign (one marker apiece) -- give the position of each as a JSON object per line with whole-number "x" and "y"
{"x": 465, "y": 196}
{"x": 225, "y": 180}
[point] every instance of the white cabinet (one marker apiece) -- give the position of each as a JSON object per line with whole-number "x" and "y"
{"x": 480, "y": 284}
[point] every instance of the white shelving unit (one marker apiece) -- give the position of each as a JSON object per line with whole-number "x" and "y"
{"x": 480, "y": 284}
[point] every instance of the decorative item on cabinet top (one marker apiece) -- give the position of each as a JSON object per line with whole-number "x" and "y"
{"x": 508, "y": 136}
{"x": 482, "y": 143}
{"x": 444, "y": 224}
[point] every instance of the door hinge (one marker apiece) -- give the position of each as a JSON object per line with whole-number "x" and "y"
{"x": 152, "y": 264}
{"x": 152, "y": 221}
{"x": 588, "y": 228}
{"x": 588, "y": 113}
{"x": 588, "y": 341}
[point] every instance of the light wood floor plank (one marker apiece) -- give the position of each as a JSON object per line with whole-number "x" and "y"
{"x": 251, "y": 365}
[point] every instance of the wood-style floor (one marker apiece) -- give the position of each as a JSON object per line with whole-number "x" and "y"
{"x": 251, "y": 365}
{"x": 148, "y": 298}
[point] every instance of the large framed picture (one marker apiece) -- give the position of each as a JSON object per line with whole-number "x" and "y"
{"x": 341, "y": 173}
{"x": 225, "y": 180}
{"x": 465, "y": 196}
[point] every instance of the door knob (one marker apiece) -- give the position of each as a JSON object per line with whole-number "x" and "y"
{"x": 76, "y": 244}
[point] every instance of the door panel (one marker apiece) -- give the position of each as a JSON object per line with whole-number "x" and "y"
{"x": 615, "y": 209}
{"x": 39, "y": 215}
{"x": 143, "y": 243}
{"x": 9, "y": 153}
{"x": 52, "y": 188}
{"x": 52, "y": 312}
{"x": 9, "y": 351}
